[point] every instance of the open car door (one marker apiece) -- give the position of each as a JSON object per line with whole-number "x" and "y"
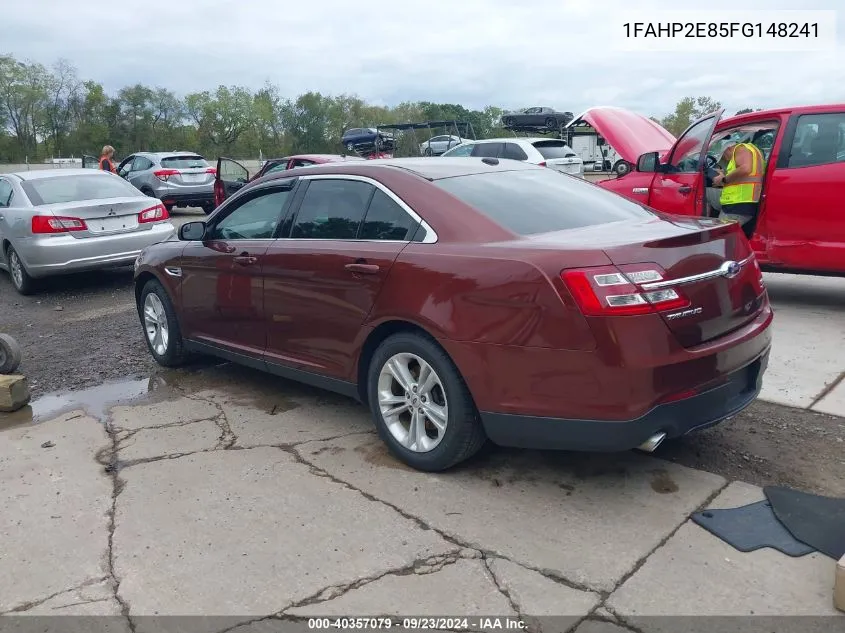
{"x": 231, "y": 176}
{"x": 679, "y": 185}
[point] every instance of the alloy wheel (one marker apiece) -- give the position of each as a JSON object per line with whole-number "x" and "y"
{"x": 155, "y": 324}
{"x": 412, "y": 402}
{"x": 15, "y": 269}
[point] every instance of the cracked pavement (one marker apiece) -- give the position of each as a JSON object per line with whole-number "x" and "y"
{"x": 263, "y": 502}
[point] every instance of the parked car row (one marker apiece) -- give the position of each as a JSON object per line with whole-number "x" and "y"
{"x": 541, "y": 151}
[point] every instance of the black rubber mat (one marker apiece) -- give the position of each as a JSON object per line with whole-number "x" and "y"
{"x": 750, "y": 528}
{"x": 815, "y": 520}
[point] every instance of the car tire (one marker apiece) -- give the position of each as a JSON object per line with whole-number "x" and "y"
{"x": 148, "y": 192}
{"x": 507, "y": 122}
{"x": 161, "y": 325}
{"x": 10, "y": 354}
{"x": 551, "y": 123}
{"x": 208, "y": 209}
{"x": 459, "y": 433}
{"x": 621, "y": 167}
{"x": 350, "y": 146}
{"x": 427, "y": 151}
{"x": 21, "y": 279}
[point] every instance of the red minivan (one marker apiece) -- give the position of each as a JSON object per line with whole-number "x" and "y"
{"x": 800, "y": 227}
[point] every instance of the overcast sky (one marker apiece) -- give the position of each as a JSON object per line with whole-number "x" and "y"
{"x": 565, "y": 54}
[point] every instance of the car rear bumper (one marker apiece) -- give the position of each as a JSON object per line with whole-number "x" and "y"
{"x": 675, "y": 419}
{"x": 187, "y": 199}
{"x": 59, "y": 254}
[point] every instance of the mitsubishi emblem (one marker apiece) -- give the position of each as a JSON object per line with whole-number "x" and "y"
{"x": 112, "y": 212}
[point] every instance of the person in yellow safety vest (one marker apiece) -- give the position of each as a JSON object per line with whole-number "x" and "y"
{"x": 741, "y": 182}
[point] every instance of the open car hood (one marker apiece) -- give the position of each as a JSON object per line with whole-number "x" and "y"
{"x": 629, "y": 133}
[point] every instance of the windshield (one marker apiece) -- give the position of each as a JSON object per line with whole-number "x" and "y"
{"x": 183, "y": 162}
{"x": 540, "y": 200}
{"x": 58, "y": 189}
{"x": 554, "y": 149}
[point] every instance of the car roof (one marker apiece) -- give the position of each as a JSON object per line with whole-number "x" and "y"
{"x": 805, "y": 109}
{"x": 514, "y": 139}
{"x": 428, "y": 168}
{"x": 166, "y": 154}
{"x": 41, "y": 174}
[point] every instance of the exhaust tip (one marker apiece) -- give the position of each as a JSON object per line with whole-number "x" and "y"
{"x": 651, "y": 444}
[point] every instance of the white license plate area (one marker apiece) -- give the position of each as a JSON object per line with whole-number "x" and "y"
{"x": 193, "y": 178}
{"x": 109, "y": 225}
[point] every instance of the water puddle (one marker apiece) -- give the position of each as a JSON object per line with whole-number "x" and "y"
{"x": 95, "y": 401}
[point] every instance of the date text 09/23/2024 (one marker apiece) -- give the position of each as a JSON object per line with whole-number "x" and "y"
{"x": 458, "y": 623}
{"x": 760, "y": 30}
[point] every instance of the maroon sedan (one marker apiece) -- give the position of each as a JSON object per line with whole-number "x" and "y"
{"x": 465, "y": 299}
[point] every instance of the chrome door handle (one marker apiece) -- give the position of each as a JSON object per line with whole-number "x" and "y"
{"x": 367, "y": 269}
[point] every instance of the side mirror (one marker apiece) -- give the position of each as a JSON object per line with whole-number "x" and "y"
{"x": 600, "y": 141}
{"x": 649, "y": 162}
{"x": 192, "y": 231}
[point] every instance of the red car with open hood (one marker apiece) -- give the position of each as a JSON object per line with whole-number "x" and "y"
{"x": 468, "y": 299}
{"x": 800, "y": 225}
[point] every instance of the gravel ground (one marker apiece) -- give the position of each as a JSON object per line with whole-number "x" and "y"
{"x": 82, "y": 330}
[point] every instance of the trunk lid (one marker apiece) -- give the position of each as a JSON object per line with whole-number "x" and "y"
{"x": 186, "y": 170}
{"x": 109, "y": 216}
{"x": 694, "y": 259}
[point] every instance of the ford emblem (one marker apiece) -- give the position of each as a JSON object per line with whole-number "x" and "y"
{"x": 730, "y": 269}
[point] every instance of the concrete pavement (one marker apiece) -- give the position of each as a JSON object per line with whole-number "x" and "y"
{"x": 807, "y": 366}
{"x": 250, "y": 498}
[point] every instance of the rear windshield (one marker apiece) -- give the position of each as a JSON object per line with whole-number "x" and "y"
{"x": 540, "y": 200}
{"x": 183, "y": 162}
{"x": 58, "y": 189}
{"x": 554, "y": 149}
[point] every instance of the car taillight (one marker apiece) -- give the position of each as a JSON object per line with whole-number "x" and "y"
{"x": 153, "y": 214}
{"x": 543, "y": 164}
{"x": 759, "y": 284}
{"x": 164, "y": 174}
{"x": 615, "y": 291}
{"x": 211, "y": 170}
{"x": 56, "y": 224}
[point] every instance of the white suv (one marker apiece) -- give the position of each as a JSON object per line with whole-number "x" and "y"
{"x": 547, "y": 152}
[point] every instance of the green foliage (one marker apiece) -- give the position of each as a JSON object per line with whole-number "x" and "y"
{"x": 51, "y": 112}
{"x": 686, "y": 112}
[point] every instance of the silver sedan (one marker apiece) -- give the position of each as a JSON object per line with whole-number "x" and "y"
{"x": 58, "y": 221}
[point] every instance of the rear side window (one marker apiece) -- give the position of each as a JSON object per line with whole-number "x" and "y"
{"x": 386, "y": 220}
{"x": 332, "y": 209}
{"x": 487, "y": 150}
{"x": 554, "y": 149}
{"x": 514, "y": 152}
{"x": 183, "y": 162}
{"x": 58, "y": 189}
{"x": 819, "y": 140}
{"x": 5, "y": 193}
{"x": 540, "y": 200}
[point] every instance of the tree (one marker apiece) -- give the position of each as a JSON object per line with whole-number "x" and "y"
{"x": 62, "y": 87}
{"x": 221, "y": 117}
{"x": 23, "y": 97}
{"x": 687, "y": 111}
{"x": 747, "y": 110}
